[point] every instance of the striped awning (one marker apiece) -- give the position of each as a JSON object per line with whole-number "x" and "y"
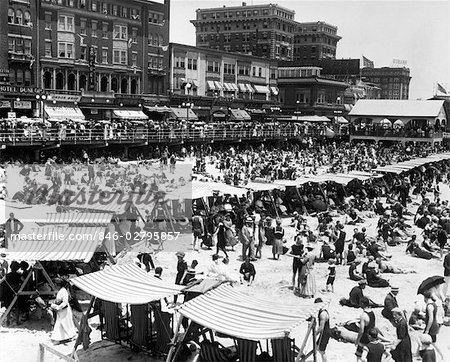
{"x": 62, "y": 113}
{"x": 274, "y": 90}
{"x": 125, "y": 283}
{"x": 205, "y": 189}
{"x": 249, "y": 88}
{"x": 239, "y": 115}
{"x": 57, "y": 243}
{"x": 228, "y": 87}
{"x": 184, "y": 113}
{"x": 219, "y": 86}
{"x": 77, "y": 218}
{"x": 262, "y": 186}
{"x": 234, "y": 86}
{"x": 242, "y": 88}
{"x": 129, "y": 114}
{"x": 238, "y": 315}
{"x": 211, "y": 85}
{"x": 261, "y": 89}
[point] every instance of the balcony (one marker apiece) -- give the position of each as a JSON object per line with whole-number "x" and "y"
{"x": 396, "y": 134}
{"x": 19, "y": 57}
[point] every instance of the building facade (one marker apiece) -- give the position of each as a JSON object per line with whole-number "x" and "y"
{"x": 394, "y": 82}
{"x": 208, "y": 79}
{"x": 86, "y": 53}
{"x": 315, "y": 41}
{"x": 260, "y": 30}
{"x": 303, "y": 91}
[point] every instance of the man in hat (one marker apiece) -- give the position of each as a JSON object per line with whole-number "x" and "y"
{"x": 181, "y": 267}
{"x": 247, "y": 239}
{"x": 12, "y": 227}
{"x": 390, "y": 302}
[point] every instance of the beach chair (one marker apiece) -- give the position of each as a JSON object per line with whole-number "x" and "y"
{"x": 214, "y": 352}
{"x": 247, "y": 350}
{"x": 284, "y": 350}
{"x": 112, "y": 316}
{"x": 164, "y": 332}
{"x": 140, "y": 321}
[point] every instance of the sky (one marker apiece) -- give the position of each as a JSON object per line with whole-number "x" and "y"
{"x": 416, "y": 31}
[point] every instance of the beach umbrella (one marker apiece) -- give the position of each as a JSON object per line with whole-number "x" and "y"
{"x": 429, "y": 283}
{"x": 386, "y": 123}
{"x": 399, "y": 123}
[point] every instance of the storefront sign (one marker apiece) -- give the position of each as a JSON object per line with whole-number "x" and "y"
{"x": 11, "y": 115}
{"x": 14, "y": 89}
{"x": 22, "y": 104}
{"x": 4, "y": 72}
{"x": 65, "y": 98}
{"x": 5, "y": 104}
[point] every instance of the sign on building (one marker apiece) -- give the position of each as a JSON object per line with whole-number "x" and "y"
{"x": 5, "y": 104}
{"x": 12, "y": 115}
{"x": 22, "y": 105}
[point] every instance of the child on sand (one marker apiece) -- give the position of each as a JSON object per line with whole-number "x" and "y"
{"x": 331, "y": 275}
{"x": 427, "y": 352}
{"x": 374, "y": 350}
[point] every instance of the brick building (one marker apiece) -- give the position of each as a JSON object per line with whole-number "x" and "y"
{"x": 315, "y": 41}
{"x": 260, "y": 30}
{"x": 394, "y": 82}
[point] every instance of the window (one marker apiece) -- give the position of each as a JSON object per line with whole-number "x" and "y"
{"x": 65, "y": 50}
{"x": 71, "y": 3}
{"x": 115, "y": 10}
{"x": 19, "y": 77}
{"x": 135, "y": 14}
{"x": 120, "y": 57}
{"x": 190, "y": 63}
{"x": 27, "y": 18}
{"x": 105, "y": 30}
{"x": 120, "y": 32}
{"x": 227, "y": 48}
{"x": 65, "y": 23}
{"x": 134, "y": 34}
{"x": 83, "y": 53}
{"x": 48, "y": 49}
{"x": 27, "y": 78}
{"x": 124, "y": 12}
{"x": 10, "y": 16}
{"x": 134, "y": 59}
{"x": 105, "y": 8}
{"x": 179, "y": 62}
{"x": 19, "y": 17}
{"x": 94, "y": 6}
{"x": 83, "y": 30}
{"x": 11, "y": 45}
{"x": 94, "y": 29}
{"x": 48, "y": 21}
{"x": 82, "y": 3}
{"x": 105, "y": 55}
{"x": 228, "y": 68}
{"x": 27, "y": 46}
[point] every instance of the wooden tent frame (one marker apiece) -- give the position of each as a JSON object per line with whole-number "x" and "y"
{"x": 178, "y": 338}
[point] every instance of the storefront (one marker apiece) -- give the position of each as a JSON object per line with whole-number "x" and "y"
{"x": 18, "y": 102}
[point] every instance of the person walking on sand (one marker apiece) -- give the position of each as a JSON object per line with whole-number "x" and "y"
{"x": 278, "y": 236}
{"x": 308, "y": 279}
{"x": 64, "y": 329}
{"x": 296, "y": 253}
{"x": 323, "y": 330}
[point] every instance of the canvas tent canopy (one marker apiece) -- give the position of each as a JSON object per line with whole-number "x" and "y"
{"x": 125, "y": 283}
{"x": 77, "y": 218}
{"x": 261, "y": 186}
{"x": 205, "y": 189}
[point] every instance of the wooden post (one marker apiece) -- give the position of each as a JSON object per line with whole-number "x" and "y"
{"x": 314, "y": 339}
{"x": 174, "y": 339}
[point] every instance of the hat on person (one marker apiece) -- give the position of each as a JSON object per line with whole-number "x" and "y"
{"x": 248, "y": 220}
{"x": 57, "y": 281}
{"x": 3, "y": 255}
{"x": 394, "y": 288}
{"x": 396, "y": 310}
{"x": 362, "y": 282}
{"x": 372, "y": 264}
{"x": 180, "y": 254}
{"x": 295, "y": 213}
{"x": 425, "y": 339}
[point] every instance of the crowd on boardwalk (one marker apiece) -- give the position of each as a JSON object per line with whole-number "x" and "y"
{"x": 408, "y": 209}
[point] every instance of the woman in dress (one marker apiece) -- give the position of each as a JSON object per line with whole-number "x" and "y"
{"x": 278, "y": 235}
{"x": 308, "y": 280}
{"x": 64, "y": 329}
{"x": 402, "y": 352}
{"x": 221, "y": 237}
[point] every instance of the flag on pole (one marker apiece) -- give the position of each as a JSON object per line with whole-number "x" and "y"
{"x": 367, "y": 63}
{"x": 441, "y": 89}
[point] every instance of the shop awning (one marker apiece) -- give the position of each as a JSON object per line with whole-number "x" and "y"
{"x": 125, "y": 283}
{"x": 77, "y": 219}
{"x": 228, "y": 87}
{"x": 239, "y": 315}
{"x": 195, "y": 83}
{"x": 62, "y": 113}
{"x": 57, "y": 243}
{"x": 242, "y": 88}
{"x": 184, "y": 113}
{"x": 262, "y": 186}
{"x": 163, "y": 109}
{"x": 211, "y": 85}
{"x": 249, "y": 88}
{"x": 312, "y": 119}
{"x": 239, "y": 115}
{"x": 219, "y": 86}
{"x": 261, "y": 89}
{"x": 274, "y": 90}
{"x": 129, "y": 114}
{"x": 341, "y": 120}
{"x": 234, "y": 86}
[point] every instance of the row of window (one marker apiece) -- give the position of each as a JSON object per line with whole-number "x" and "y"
{"x": 203, "y": 28}
{"x": 102, "y": 7}
{"x": 20, "y": 77}
{"x": 19, "y": 45}
{"x": 19, "y": 17}
{"x": 246, "y": 13}
{"x": 313, "y": 39}
{"x": 315, "y": 28}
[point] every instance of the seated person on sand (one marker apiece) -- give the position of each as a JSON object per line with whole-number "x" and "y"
{"x": 353, "y": 217}
{"x": 415, "y": 250}
{"x": 376, "y": 250}
{"x": 417, "y": 319}
{"x": 353, "y": 273}
{"x": 373, "y": 278}
{"x": 350, "y": 254}
{"x": 385, "y": 267}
